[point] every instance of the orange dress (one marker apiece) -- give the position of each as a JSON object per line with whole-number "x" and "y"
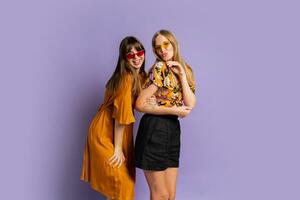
{"x": 115, "y": 183}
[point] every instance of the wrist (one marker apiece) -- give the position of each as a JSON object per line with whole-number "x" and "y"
{"x": 118, "y": 148}
{"x": 182, "y": 75}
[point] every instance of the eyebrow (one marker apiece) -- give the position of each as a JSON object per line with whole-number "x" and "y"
{"x": 163, "y": 43}
{"x": 136, "y": 51}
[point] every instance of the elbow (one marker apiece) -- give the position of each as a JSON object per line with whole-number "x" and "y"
{"x": 191, "y": 104}
{"x": 138, "y": 106}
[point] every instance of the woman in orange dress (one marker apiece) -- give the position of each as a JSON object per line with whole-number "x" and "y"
{"x": 108, "y": 162}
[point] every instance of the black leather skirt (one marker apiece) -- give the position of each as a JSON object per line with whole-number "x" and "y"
{"x": 157, "y": 144}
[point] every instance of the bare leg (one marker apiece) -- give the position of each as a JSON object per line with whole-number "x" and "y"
{"x": 170, "y": 179}
{"x": 157, "y": 184}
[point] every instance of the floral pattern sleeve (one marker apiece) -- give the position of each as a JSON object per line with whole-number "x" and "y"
{"x": 169, "y": 92}
{"x": 156, "y": 75}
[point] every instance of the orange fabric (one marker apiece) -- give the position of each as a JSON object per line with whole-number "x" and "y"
{"x": 116, "y": 183}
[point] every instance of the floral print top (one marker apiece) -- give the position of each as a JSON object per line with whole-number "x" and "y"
{"x": 169, "y": 91}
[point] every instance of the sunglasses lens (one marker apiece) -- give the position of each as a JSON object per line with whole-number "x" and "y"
{"x": 140, "y": 53}
{"x": 165, "y": 45}
{"x": 130, "y": 56}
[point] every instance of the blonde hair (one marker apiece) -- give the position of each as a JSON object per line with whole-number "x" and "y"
{"x": 176, "y": 56}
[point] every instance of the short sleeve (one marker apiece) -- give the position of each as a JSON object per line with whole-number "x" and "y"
{"x": 122, "y": 107}
{"x": 156, "y": 74}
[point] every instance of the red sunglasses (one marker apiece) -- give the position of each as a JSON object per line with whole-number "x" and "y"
{"x": 132, "y": 55}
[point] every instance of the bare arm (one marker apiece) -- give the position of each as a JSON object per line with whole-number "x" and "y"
{"x": 142, "y": 105}
{"x": 118, "y": 135}
{"x": 118, "y": 158}
{"x": 189, "y": 98}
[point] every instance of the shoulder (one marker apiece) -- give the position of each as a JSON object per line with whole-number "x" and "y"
{"x": 126, "y": 79}
{"x": 125, "y": 83}
{"x": 157, "y": 68}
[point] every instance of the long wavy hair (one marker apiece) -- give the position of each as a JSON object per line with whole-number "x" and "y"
{"x": 177, "y": 56}
{"x": 123, "y": 68}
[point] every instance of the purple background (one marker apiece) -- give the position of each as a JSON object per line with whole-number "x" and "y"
{"x": 241, "y": 142}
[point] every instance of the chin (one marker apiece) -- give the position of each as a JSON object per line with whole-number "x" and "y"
{"x": 137, "y": 67}
{"x": 166, "y": 59}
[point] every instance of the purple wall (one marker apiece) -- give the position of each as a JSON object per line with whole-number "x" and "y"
{"x": 240, "y": 143}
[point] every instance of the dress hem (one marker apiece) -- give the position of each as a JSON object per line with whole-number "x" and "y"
{"x": 102, "y": 192}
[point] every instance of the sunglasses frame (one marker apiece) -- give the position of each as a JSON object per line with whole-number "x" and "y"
{"x": 140, "y": 53}
{"x": 165, "y": 45}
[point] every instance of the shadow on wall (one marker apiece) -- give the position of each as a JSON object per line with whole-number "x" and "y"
{"x": 71, "y": 187}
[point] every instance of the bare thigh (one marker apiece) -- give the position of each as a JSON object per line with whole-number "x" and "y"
{"x": 171, "y": 179}
{"x": 156, "y": 180}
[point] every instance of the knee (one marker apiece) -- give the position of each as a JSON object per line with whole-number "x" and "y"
{"x": 160, "y": 194}
{"x": 172, "y": 195}
{"x": 163, "y": 195}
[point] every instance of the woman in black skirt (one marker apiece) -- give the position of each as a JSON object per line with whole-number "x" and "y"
{"x": 157, "y": 145}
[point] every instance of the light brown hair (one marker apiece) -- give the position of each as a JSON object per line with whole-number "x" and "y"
{"x": 123, "y": 68}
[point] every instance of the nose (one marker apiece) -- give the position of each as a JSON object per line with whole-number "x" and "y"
{"x": 162, "y": 51}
